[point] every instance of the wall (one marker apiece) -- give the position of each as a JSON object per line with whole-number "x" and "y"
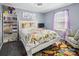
{"x": 39, "y": 16}
{"x": 73, "y": 17}
{"x": 0, "y": 26}
{"x": 48, "y": 17}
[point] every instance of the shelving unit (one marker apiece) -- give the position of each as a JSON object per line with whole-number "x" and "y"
{"x": 10, "y": 28}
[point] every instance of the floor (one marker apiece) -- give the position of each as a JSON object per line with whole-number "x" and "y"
{"x": 61, "y": 48}
{"x": 14, "y": 48}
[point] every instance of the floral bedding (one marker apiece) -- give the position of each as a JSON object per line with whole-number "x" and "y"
{"x": 37, "y": 36}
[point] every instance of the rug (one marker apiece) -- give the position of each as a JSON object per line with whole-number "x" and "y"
{"x": 61, "y": 48}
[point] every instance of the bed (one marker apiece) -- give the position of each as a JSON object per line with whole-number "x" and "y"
{"x": 35, "y": 39}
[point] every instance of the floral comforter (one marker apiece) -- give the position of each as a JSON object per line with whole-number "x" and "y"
{"x": 37, "y": 36}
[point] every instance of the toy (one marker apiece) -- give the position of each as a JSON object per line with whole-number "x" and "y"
{"x": 63, "y": 45}
{"x": 49, "y": 52}
{"x": 69, "y": 53}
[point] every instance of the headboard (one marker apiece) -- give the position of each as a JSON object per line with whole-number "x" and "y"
{"x": 24, "y": 24}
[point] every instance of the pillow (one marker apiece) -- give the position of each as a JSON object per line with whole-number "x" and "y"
{"x": 28, "y": 24}
{"x": 76, "y": 37}
{"x": 25, "y": 25}
{"x": 71, "y": 34}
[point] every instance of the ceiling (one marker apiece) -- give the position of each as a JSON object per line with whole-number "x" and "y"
{"x": 42, "y": 8}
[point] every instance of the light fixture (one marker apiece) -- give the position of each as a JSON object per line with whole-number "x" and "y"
{"x": 39, "y": 4}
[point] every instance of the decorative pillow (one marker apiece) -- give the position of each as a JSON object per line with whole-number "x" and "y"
{"x": 76, "y": 37}
{"x": 28, "y": 24}
{"x": 71, "y": 34}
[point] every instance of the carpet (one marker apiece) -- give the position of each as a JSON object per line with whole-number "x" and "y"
{"x": 61, "y": 48}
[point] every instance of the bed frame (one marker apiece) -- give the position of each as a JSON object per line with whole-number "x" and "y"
{"x": 31, "y": 51}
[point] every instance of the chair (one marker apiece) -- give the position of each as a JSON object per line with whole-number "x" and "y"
{"x": 73, "y": 39}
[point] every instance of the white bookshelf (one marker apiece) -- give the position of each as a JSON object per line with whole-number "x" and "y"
{"x": 10, "y": 28}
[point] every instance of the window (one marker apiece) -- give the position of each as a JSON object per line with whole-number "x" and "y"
{"x": 61, "y": 20}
